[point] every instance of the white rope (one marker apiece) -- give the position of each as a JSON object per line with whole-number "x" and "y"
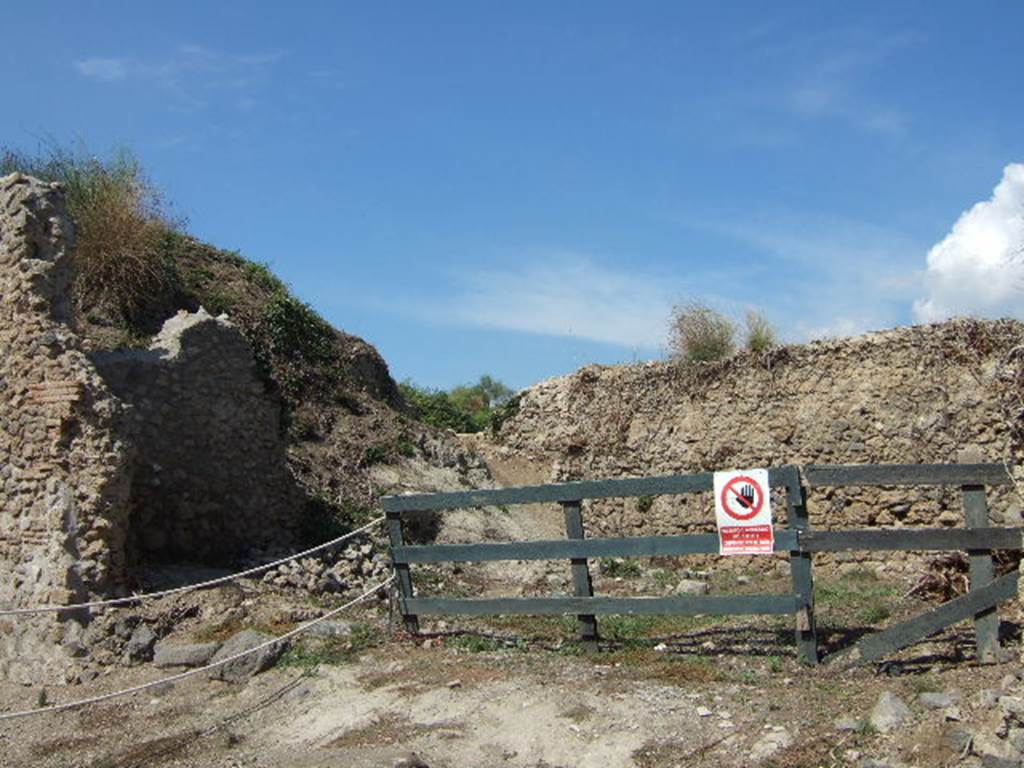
{"x": 198, "y": 670}
{"x": 188, "y": 587}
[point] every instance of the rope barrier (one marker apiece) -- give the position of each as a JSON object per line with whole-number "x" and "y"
{"x": 198, "y": 670}
{"x": 188, "y": 587}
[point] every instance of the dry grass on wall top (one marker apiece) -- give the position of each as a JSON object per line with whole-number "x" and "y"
{"x": 121, "y": 223}
{"x": 699, "y": 334}
{"x": 135, "y": 267}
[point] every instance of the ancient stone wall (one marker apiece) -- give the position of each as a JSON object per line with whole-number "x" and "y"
{"x": 174, "y": 453}
{"x": 63, "y": 484}
{"x": 210, "y": 479}
{"x": 909, "y": 395}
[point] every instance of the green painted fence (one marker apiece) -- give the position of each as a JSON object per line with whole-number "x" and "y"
{"x": 978, "y": 538}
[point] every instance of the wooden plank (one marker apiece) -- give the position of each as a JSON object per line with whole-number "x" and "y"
{"x": 713, "y": 605}
{"x": 907, "y": 539}
{"x": 582, "y": 586}
{"x": 800, "y": 566}
{"x": 839, "y": 475}
{"x": 562, "y": 549}
{"x": 918, "y": 628}
{"x": 404, "y": 577}
{"x": 562, "y": 492}
{"x": 982, "y": 569}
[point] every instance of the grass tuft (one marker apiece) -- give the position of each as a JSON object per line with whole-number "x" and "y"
{"x": 121, "y": 223}
{"x": 699, "y": 334}
{"x": 760, "y": 334}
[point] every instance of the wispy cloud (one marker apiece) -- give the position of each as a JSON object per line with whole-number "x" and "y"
{"x": 104, "y": 70}
{"x": 566, "y": 294}
{"x": 832, "y": 87}
{"x": 827, "y": 275}
{"x": 193, "y": 74}
{"x": 812, "y": 276}
{"x": 561, "y": 293}
{"x": 803, "y": 80}
{"x": 978, "y": 268}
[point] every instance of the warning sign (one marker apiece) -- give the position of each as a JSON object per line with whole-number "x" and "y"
{"x": 743, "y": 510}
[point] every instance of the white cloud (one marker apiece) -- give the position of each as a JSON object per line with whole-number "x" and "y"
{"x": 566, "y": 294}
{"x": 978, "y": 268}
{"x": 192, "y": 74}
{"x": 106, "y": 70}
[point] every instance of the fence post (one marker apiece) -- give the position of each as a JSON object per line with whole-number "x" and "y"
{"x": 581, "y": 583}
{"x": 412, "y": 622}
{"x": 800, "y": 569}
{"x": 986, "y": 623}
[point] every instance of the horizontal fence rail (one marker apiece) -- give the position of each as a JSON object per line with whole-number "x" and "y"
{"x": 689, "y": 605}
{"x": 797, "y": 540}
{"x": 563, "y": 549}
{"x": 911, "y": 539}
{"x": 875, "y": 539}
{"x": 566, "y": 492}
{"x": 843, "y": 475}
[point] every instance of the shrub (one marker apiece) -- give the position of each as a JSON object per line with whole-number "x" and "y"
{"x": 322, "y": 518}
{"x": 466, "y": 408}
{"x": 436, "y": 408}
{"x": 375, "y": 454}
{"x": 760, "y": 334}
{"x": 699, "y": 334}
{"x": 504, "y": 412}
{"x": 293, "y": 342}
{"x": 121, "y": 225}
{"x": 480, "y": 400}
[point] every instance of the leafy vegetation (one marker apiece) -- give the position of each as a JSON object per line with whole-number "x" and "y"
{"x": 465, "y": 408}
{"x": 334, "y": 651}
{"x": 294, "y": 342}
{"x": 474, "y": 643}
{"x": 618, "y": 567}
{"x": 323, "y": 518}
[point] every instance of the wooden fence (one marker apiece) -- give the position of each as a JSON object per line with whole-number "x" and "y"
{"x": 797, "y": 539}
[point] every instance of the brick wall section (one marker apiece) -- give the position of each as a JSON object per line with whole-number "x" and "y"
{"x": 210, "y": 480}
{"x": 909, "y": 395}
{"x": 63, "y": 485}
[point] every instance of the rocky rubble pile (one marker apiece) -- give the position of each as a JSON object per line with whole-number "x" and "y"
{"x": 996, "y": 738}
{"x": 340, "y": 571}
{"x": 984, "y": 729}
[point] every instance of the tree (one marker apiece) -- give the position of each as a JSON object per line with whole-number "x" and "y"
{"x": 465, "y": 408}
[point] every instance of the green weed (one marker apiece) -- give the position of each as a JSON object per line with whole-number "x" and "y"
{"x": 332, "y": 652}
{"x": 484, "y": 644}
{"x": 617, "y": 567}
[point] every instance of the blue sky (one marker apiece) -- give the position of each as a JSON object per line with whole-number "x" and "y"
{"x": 523, "y": 188}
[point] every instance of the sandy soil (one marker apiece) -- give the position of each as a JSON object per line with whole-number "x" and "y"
{"x": 470, "y": 700}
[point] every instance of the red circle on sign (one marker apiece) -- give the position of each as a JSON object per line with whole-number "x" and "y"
{"x": 749, "y": 507}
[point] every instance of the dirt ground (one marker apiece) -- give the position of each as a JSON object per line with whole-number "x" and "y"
{"x": 520, "y": 692}
{"x": 517, "y": 693}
